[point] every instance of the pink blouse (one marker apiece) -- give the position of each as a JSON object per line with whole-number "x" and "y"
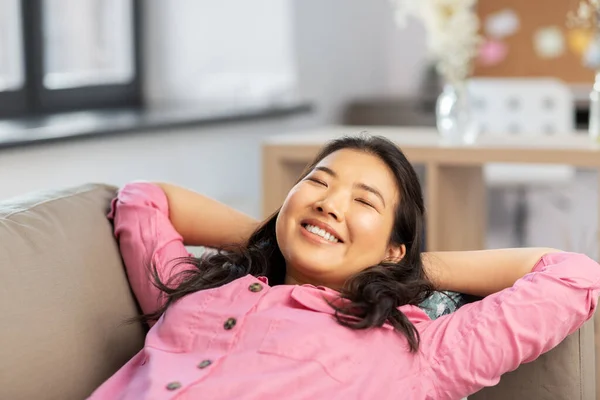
{"x": 248, "y": 340}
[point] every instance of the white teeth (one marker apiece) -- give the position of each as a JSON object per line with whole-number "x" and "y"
{"x": 321, "y": 232}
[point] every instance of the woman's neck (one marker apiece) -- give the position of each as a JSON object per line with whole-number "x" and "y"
{"x": 291, "y": 280}
{"x": 298, "y": 279}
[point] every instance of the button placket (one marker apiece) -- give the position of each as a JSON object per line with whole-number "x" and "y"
{"x": 255, "y": 287}
{"x": 229, "y": 324}
{"x": 246, "y": 303}
{"x": 173, "y": 386}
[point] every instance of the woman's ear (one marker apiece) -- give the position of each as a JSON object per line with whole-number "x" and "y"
{"x": 395, "y": 253}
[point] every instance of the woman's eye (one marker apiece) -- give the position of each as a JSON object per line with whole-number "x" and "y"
{"x": 366, "y": 203}
{"x": 316, "y": 181}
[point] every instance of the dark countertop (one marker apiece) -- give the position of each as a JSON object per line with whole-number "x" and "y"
{"x": 82, "y": 124}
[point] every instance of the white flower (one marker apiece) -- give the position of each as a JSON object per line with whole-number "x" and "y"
{"x": 452, "y": 32}
{"x": 585, "y": 16}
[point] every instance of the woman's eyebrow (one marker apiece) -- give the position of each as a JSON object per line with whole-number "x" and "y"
{"x": 371, "y": 189}
{"x": 328, "y": 171}
{"x": 362, "y": 186}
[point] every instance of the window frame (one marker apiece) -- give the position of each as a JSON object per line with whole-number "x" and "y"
{"x": 35, "y": 99}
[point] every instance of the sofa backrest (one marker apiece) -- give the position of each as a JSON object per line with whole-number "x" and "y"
{"x": 64, "y": 296}
{"x": 565, "y": 372}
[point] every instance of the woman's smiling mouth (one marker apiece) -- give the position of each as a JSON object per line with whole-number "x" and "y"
{"x": 320, "y": 233}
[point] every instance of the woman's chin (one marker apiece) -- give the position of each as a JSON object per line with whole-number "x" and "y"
{"x": 316, "y": 270}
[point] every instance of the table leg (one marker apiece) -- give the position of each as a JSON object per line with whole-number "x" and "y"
{"x": 456, "y": 207}
{"x": 597, "y": 314}
{"x": 596, "y": 322}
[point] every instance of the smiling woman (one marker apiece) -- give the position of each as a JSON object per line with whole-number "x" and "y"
{"x": 320, "y": 300}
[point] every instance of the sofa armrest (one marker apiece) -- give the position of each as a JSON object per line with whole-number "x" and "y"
{"x": 566, "y": 372}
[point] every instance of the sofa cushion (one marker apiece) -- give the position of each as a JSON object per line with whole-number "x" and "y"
{"x": 64, "y": 296}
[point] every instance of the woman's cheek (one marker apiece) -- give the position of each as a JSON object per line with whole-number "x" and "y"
{"x": 363, "y": 227}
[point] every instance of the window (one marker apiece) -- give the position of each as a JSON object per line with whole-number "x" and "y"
{"x": 11, "y": 46}
{"x": 96, "y": 48}
{"x": 12, "y": 68}
{"x": 62, "y": 55}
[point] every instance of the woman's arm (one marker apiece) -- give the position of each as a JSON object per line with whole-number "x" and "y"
{"x": 203, "y": 221}
{"x": 147, "y": 240}
{"x": 474, "y": 346}
{"x": 481, "y": 273}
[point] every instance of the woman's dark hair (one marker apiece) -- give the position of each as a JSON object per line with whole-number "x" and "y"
{"x": 372, "y": 295}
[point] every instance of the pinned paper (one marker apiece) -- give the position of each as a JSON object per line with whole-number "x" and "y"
{"x": 549, "y": 42}
{"x": 591, "y": 58}
{"x": 579, "y": 40}
{"x": 492, "y": 52}
{"x": 502, "y": 24}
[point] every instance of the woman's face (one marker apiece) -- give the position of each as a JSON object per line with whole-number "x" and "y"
{"x": 338, "y": 220}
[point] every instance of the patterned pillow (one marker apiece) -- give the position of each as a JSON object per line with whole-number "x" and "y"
{"x": 442, "y": 303}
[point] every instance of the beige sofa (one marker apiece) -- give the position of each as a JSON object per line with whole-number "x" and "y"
{"x": 64, "y": 299}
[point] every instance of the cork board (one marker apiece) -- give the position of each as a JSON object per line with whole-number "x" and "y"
{"x": 530, "y": 38}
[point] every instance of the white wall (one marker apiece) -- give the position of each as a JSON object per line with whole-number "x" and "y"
{"x": 350, "y": 49}
{"x": 407, "y": 58}
{"x": 218, "y": 50}
{"x": 328, "y": 51}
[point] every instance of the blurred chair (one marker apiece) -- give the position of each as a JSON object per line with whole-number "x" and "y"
{"x": 535, "y": 107}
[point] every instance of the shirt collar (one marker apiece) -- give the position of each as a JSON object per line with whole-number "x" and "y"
{"x": 317, "y": 298}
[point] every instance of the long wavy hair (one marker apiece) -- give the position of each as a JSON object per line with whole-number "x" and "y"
{"x": 372, "y": 296}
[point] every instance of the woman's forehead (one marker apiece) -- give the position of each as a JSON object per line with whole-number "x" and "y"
{"x": 350, "y": 159}
{"x": 357, "y": 165}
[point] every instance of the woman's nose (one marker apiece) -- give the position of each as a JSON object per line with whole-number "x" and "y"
{"x": 331, "y": 208}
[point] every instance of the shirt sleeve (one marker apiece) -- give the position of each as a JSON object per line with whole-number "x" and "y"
{"x": 471, "y": 348}
{"x": 147, "y": 239}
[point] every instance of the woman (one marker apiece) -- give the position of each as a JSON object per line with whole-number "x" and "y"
{"x": 320, "y": 300}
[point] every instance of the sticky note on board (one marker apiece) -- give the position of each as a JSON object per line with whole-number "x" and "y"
{"x": 591, "y": 57}
{"x": 502, "y": 24}
{"x": 579, "y": 40}
{"x": 549, "y": 42}
{"x": 492, "y": 52}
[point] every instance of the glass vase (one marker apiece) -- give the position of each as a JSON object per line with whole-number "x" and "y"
{"x": 454, "y": 118}
{"x": 594, "y": 115}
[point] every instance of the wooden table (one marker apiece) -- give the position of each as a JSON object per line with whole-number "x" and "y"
{"x": 455, "y": 191}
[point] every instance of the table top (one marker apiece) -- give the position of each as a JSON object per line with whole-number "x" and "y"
{"x": 425, "y": 145}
